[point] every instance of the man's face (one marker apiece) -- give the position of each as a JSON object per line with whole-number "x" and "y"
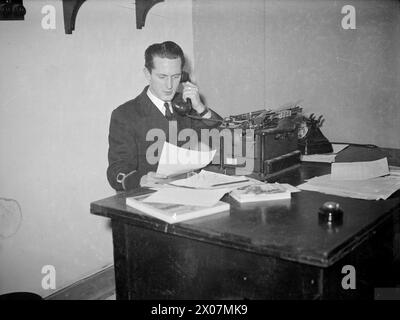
{"x": 164, "y": 77}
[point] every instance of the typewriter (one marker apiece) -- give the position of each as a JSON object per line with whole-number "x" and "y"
{"x": 265, "y": 143}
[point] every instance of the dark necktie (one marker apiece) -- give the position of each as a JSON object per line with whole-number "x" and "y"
{"x": 168, "y": 113}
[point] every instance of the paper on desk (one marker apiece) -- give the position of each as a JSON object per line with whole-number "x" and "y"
{"x": 212, "y": 180}
{"x": 337, "y": 147}
{"x": 191, "y": 197}
{"x": 290, "y": 188}
{"x": 361, "y": 170}
{"x": 371, "y": 189}
{"x": 329, "y": 158}
{"x": 325, "y": 157}
{"x": 175, "y": 160}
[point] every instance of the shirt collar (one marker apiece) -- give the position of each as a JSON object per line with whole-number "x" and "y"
{"x": 158, "y": 102}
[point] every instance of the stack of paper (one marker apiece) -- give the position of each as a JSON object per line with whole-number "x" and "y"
{"x": 370, "y": 180}
{"x": 185, "y": 196}
{"x": 212, "y": 180}
{"x": 173, "y": 213}
{"x": 372, "y": 189}
{"x": 204, "y": 189}
{"x": 361, "y": 170}
{"x": 362, "y": 180}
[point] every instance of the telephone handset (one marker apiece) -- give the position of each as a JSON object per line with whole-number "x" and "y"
{"x": 181, "y": 106}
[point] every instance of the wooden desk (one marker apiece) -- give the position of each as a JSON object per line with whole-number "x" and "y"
{"x": 269, "y": 251}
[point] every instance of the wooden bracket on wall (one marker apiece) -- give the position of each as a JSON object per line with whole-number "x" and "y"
{"x": 12, "y": 10}
{"x": 71, "y": 7}
{"x": 142, "y": 8}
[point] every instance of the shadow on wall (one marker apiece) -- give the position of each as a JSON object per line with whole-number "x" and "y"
{"x": 10, "y": 217}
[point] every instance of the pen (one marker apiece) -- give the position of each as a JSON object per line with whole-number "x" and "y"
{"x": 225, "y": 183}
{"x": 175, "y": 185}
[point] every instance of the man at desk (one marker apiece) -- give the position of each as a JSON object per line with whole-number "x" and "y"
{"x": 153, "y": 108}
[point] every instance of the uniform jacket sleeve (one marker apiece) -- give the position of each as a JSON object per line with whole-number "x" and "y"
{"x": 122, "y": 153}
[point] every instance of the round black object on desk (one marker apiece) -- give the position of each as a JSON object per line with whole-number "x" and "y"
{"x": 20, "y": 296}
{"x": 330, "y": 214}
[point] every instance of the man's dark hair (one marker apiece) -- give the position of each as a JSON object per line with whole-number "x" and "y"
{"x": 167, "y": 49}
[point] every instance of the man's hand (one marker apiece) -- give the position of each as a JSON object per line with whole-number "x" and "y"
{"x": 153, "y": 179}
{"x": 191, "y": 91}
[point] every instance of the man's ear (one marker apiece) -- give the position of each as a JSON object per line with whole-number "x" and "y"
{"x": 147, "y": 73}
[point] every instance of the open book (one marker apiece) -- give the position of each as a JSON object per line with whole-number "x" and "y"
{"x": 261, "y": 192}
{"x": 173, "y": 213}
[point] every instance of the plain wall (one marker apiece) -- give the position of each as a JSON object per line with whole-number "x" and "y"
{"x": 57, "y": 93}
{"x": 263, "y": 54}
{"x": 348, "y": 76}
{"x": 229, "y": 54}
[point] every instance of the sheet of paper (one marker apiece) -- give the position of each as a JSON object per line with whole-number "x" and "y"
{"x": 175, "y": 160}
{"x": 212, "y": 180}
{"x": 361, "y": 170}
{"x": 328, "y": 158}
{"x": 290, "y": 188}
{"x": 371, "y": 189}
{"x": 192, "y": 197}
{"x": 337, "y": 147}
{"x": 325, "y": 157}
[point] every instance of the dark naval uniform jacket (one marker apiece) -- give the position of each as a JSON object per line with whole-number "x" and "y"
{"x": 129, "y": 126}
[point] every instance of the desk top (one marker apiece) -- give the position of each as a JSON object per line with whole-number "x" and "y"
{"x": 287, "y": 229}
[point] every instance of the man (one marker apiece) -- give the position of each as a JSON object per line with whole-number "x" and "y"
{"x": 151, "y": 109}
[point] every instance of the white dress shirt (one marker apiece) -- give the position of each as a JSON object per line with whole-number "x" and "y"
{"x": 158, "y": 102}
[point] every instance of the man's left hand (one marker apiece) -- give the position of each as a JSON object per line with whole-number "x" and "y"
{"x": 153, "y": 179}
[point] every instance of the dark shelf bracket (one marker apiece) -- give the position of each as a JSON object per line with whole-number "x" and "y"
{"x": 142, "y": 8}
{"x": 12, "y": 10}
{"x": 70, "y": 8}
